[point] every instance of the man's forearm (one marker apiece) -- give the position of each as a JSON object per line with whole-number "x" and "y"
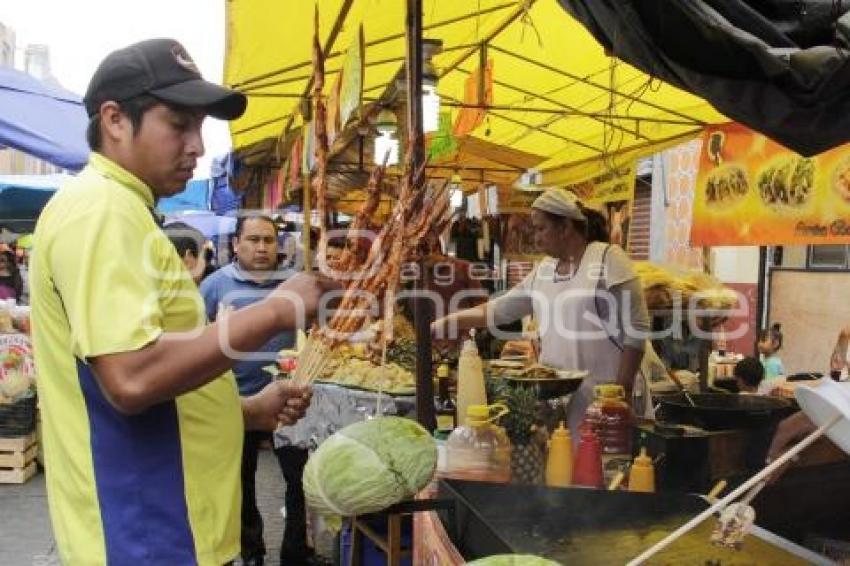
{"x": 180, "y": 362}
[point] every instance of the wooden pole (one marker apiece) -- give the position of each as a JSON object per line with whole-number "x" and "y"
{"x": 423, "y": 314}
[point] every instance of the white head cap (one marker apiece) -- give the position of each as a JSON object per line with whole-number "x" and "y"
{"x": 559, "y": 202}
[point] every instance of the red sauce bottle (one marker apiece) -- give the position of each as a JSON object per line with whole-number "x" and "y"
{"x": 611, "y": 418}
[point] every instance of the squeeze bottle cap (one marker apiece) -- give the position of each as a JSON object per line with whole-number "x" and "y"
{"x": 469, "y": 347}
{"x": 610, "y": 391}
{"x": 480, "y": 414}
{"x": 643, "y": 459}
{"x": 561, "y": 431}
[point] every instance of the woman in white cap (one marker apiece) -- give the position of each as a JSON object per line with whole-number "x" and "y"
{"x": 585, "y": 296}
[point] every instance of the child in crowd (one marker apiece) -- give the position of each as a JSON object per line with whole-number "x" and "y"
{"x": 749, "y": 374}
{"x": 770, "y": 342}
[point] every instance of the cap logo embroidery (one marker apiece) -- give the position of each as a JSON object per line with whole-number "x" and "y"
{"x": 183, "y": 59}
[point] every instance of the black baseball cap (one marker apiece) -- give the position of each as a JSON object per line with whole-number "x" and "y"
{"x": 162, "y": 68}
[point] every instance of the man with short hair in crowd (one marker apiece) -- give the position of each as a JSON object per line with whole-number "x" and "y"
{"x": 247, "y": 280}
{"x": 142, "y": 423}
{"x": 189, "y": 244}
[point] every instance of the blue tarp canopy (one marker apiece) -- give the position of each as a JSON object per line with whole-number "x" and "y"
{"x": 23, "y": 196}
{"x": 223, "y": 199}
{"x": 207, "y": 223}
{"x": 43, "y": 120}
{"x": 195, "y": 197}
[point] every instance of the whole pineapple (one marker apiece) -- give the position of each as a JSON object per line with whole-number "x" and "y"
{"x": 528, "y": 458}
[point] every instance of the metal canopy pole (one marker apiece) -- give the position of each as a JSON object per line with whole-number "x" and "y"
{"x": 423, "y": 313}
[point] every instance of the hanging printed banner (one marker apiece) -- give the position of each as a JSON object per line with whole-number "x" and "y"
{"x": 753, "y": 191}
{"x": 308, "y": 147}
{"x": 351, "y": 92}
{"x": 470, "y": 118}
{"x": 332, "y": 121}
{"x": 515, "y": 233}
{"x": 512, "y": 200}
{"x": 293, "y": 168}
{"x": 274, "y": 189}
{"x": 443, "y": 142}
{"x": 612, "y": 194}
{"x": 614, "y": 186}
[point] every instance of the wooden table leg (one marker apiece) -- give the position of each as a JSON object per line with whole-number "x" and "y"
{"x": 394, "y": 540}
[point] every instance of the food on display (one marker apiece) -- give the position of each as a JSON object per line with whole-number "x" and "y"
{"x": 502, "y": 365}
{"x": 515, "y": 369}
{"x": 368, "y": 466}
{"x": 17, "y": 372}
{"x": 370, "y": 276}
{"x": 726, "y": 185}
{"x": 538, "y": 371}
{"x": 733, "y": 526}
{"x": 841, "y": 180}
{"x": 512, "y": 560}
{"x": 363, "y": 374}
{"x": 665, "y": 288}
{"x": 524, "y": 350}
{"x": 787, "y": 182}
{"x": 13, "y": 386}
{"x": 403, "y": 353}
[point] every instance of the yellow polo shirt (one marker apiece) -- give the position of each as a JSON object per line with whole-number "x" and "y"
{"x": 160, "y": 487}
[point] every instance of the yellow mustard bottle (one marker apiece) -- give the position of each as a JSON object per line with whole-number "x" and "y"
{"x": 642, "y": 474}
{"x": 559, "y": 463}
{"x": 470, "y": 379}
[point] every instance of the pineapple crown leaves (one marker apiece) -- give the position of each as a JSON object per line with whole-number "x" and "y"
{"x": 522, "y": 403}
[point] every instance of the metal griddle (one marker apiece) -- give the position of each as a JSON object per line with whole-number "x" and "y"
{"x": 580, "y": 526}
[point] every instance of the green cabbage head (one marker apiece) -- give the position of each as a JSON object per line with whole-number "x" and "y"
{"x": 368, "y": 466}
{"x": 512, "y": 560}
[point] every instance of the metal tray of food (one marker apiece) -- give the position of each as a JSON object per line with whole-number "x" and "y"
{"x": 550, "y": 382}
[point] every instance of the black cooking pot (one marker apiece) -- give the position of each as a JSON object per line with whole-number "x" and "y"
{"x": 721, "y": 411}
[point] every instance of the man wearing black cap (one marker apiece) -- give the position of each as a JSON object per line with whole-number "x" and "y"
{"x": 142, "y": 420}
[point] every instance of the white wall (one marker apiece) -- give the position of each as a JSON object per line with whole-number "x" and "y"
{"x": 735, "y": 264}
{"x": 794, "y": 257}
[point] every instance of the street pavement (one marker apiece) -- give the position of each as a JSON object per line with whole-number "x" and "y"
{"x": 26, "y": 538}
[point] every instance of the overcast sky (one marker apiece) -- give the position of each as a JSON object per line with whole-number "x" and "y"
{"x": 81, "y": 32}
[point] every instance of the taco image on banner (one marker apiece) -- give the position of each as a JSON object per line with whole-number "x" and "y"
{"x": 841, "y": 180}
{"x": 725, "y": 185}
{"x": 787, "y": 183}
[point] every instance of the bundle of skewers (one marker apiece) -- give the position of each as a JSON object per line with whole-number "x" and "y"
{"x": 371, "y": 277}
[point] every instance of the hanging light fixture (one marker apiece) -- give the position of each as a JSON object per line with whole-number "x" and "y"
{"x": 456, "y": 194}
{"x": 386, "y": 145}
{"x": 430, "y": 99}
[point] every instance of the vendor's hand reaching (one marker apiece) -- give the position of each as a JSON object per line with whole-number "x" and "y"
{"x": 280, "y": 403}
{"x": 789, "y": 432}
{"x": 438, "y": 328}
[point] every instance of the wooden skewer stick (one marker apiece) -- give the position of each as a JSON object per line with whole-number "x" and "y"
{"x": 721, "y": 504}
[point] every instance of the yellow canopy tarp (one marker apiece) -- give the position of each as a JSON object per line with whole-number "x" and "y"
{"x": 556, "y": 94}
